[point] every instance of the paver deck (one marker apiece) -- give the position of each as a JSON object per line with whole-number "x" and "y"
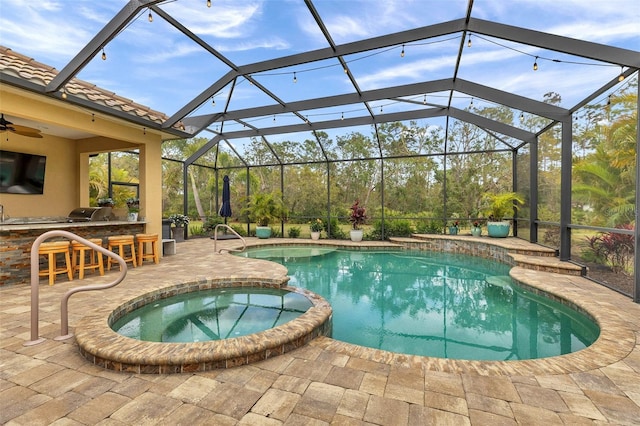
{"x": 325, "y": 382}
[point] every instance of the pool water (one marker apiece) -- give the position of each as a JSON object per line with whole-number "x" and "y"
{"x": 212, "y": 314}
{"x": 433, "y": 304}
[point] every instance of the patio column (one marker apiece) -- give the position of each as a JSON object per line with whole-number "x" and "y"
{"x": 150, "y": 176}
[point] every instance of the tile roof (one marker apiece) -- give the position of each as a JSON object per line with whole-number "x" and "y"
{"x": 23, "y": 67}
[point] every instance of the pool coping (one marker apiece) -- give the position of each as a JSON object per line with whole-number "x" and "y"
{"x": 617, "y": 339}
{"x": 106, "y": 348}
{"x": 615, "y": 342}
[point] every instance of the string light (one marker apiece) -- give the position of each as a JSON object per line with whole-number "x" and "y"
{"x": 346, "y": 71}
{"x": 609, "y": 101}
{"x": 469, "y": 41}
{"x": 521, "y": 116}
{"x": 150, "y": 17}
{"x": 208, "y": 3}
{"x": 64, "y": 93}
{"x": 380, "y": 109}
{"x": 144, "y": 130}
{"x": 93, "y": 117}
{"x": 424, "y": 101}
{"x": 471, "y": 103}
{"x": 295, "y": 79}
{"x": 274, "y": 118}
{"x": 535, "y": 64}
{"x": 342, "y": 116}
{"x": 104, "y": 55}
{"x": 213, "y": 100}
{"x": 621, "y": 78}
{"x": 402, "y": 53}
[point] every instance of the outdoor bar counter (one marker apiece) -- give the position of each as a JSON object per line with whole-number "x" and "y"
{"x": 17, "y": 237}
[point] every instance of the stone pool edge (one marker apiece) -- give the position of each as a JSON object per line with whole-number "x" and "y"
{"x": 615, "y": 342}
{"x": 102, "y": 346}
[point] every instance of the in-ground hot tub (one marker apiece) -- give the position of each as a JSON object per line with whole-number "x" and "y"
{"x": 105, "y": 347}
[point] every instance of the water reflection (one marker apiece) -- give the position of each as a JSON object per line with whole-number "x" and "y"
{"x": 212, "y": 315}
{"x": 435, "y": 304}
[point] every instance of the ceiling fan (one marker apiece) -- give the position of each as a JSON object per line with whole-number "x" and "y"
{"x": 7, "y": 126}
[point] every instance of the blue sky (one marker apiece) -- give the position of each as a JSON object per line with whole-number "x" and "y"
{"x": 155, "y": 65}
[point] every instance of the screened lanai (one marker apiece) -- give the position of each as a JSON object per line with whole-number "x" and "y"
{"x": 416, "y": 109}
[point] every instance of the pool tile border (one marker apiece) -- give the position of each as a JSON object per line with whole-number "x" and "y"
{"x": 104, "y": 347}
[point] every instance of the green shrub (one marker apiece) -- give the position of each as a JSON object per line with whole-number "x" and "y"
{"x": 241, "y": 230}
{"x": 197, "y": 230}
{"x": 429, "y": 227}
{"x": 211, "y": 222}
{"x": 392, "y": 228}
{"x": 294, "y": 232}
{"x": 336, "y": 230}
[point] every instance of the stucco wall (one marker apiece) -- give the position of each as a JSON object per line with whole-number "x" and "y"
{"x": 60, "y": 177}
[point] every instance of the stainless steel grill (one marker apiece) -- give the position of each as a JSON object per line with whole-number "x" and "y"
{"x": 88, "y": 214}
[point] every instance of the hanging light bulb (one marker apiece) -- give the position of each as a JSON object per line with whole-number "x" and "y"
{"x": 469, "y": 41}
{"x": 64, "y": 93}
{"x": 535, "y": 64}
{"x": 208, "y": 3}
{"x": 521, "y": 116}
{"x": 104, "y": 55}
{"x": 471, "y": 104}
{"x": 150, "y": 17}
{"x": 424, "y": 101}
{"x": 213, "y": 101}
{"x": 274, "y": 118}
{"x": 402, "y": 53}
{"x": 295, "y": 79}
{"x": 621, "y": 77}
{"x": 93, "y": 118}
{"x": 144, "y": 130}
{"x": 342, "y": 116}
{"x": 346, "y": 71}
{"x": 380, "y": 109}
{"x": 609, "y": 101}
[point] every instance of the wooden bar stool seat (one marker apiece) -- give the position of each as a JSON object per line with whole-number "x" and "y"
{"x": 79, "y": 254}
{"x": 51, "y": 249}
{"x": 153, "y": 254}
{"x": 124, "y": 244}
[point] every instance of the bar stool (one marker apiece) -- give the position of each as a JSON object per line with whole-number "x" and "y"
{"x": 121, "y": 242}
{"x": 51, "y": 249}
{"x": 79, "y": 252}
{"x": 154, "y": 254}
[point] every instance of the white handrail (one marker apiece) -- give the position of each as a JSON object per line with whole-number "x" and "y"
{"x": 215, "y": 239}
{"x": 35, "y": 269}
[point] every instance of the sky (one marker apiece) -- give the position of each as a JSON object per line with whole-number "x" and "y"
{"x": 155, "y": 65}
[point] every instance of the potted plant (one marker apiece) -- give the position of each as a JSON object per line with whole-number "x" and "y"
{"x": 106, "y": 202}
{"x": 133, "y": 205}
{"x": 264, "y": 208}
{"x": 500, "y": 206}
{"x": 179, "y": 222}
{"x": 454, "y": 227}
{"x": 476, "y": 228}
{"x": 357, "y": 218}
{"x": 316, "y": 228}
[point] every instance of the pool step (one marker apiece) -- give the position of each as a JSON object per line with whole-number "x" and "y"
{"x": 546, "y": 264}
{"x": 511, "y": 250}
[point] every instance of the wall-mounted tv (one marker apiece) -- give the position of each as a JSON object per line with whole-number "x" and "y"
{"x": 21, "y": 173}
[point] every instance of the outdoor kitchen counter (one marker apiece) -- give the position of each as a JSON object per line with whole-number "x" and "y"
{"x": 16, "y": 240}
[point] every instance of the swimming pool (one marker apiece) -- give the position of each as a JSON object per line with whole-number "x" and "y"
{"x": 433, "y": 304}
{"x": 213, "y": 314}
